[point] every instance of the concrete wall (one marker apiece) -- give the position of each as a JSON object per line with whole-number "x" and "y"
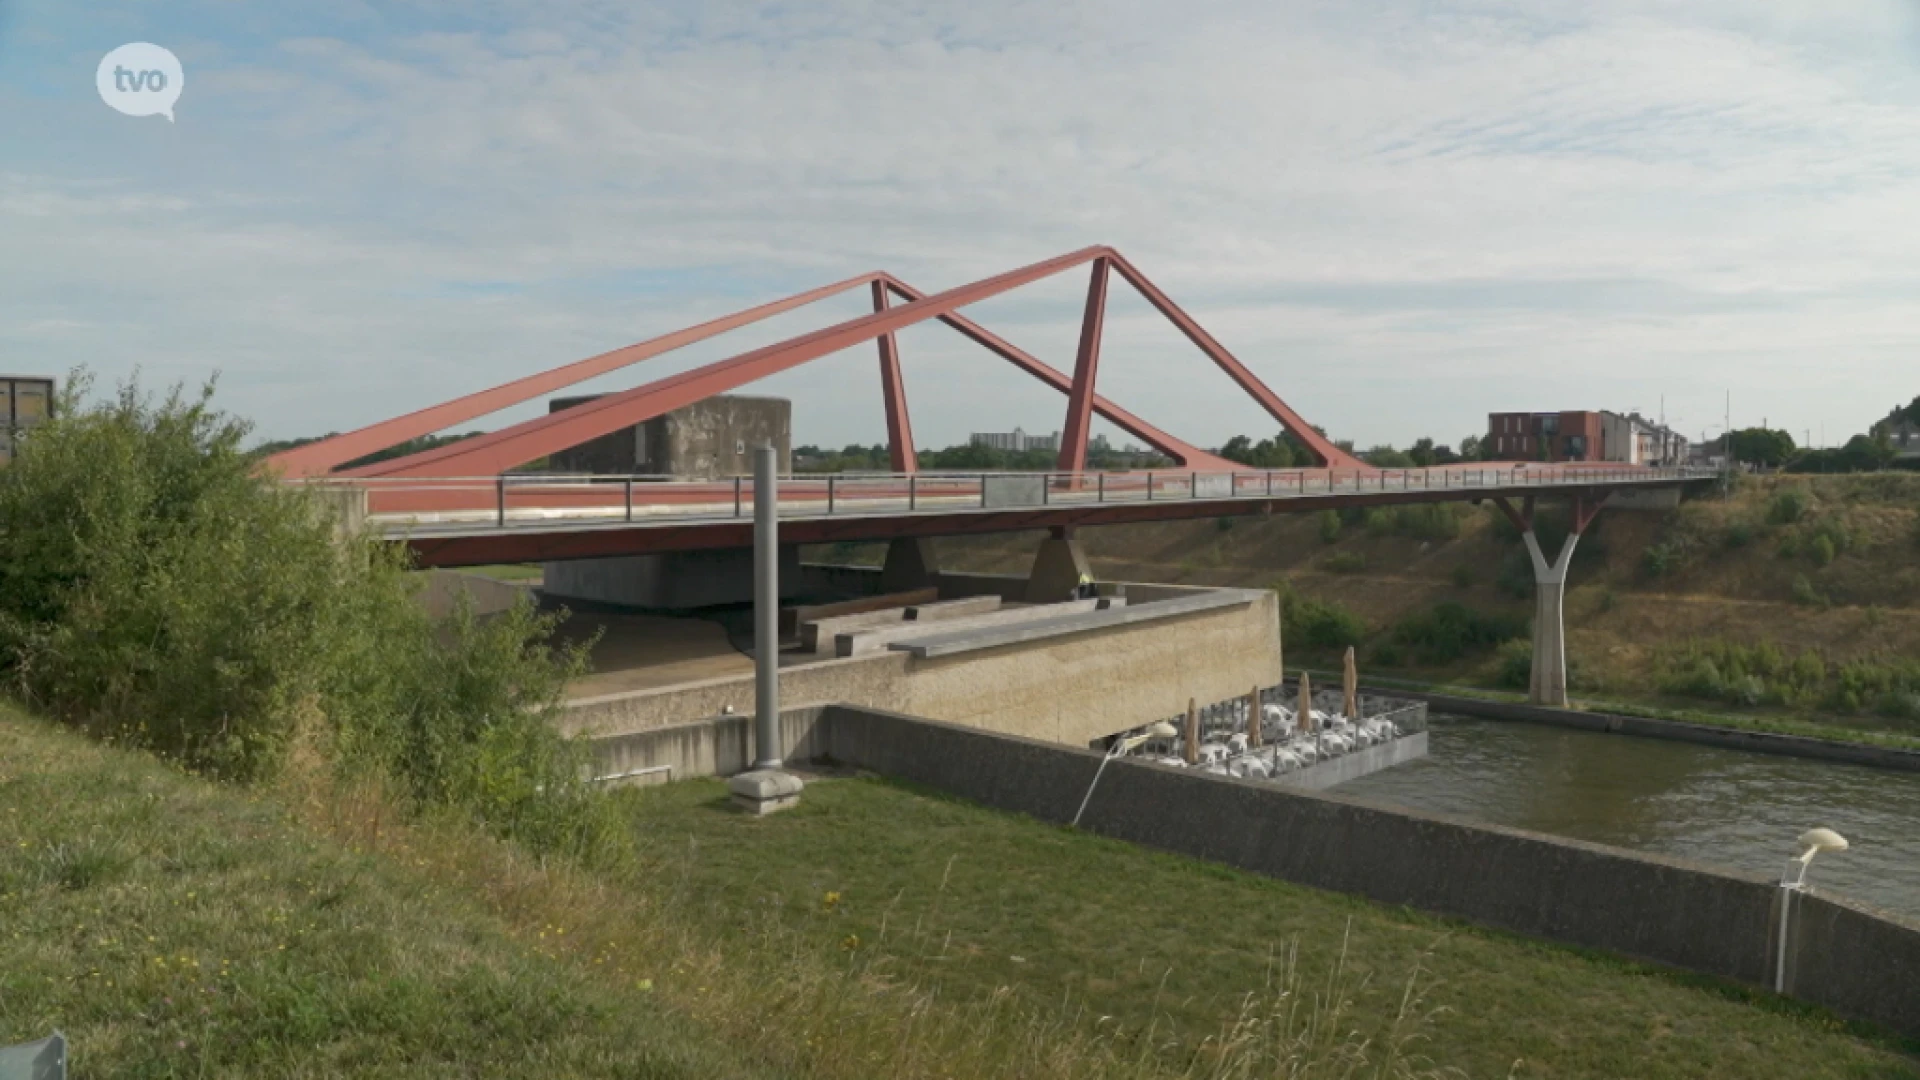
{"x": 709, "y": 439}
{"x": 1852, "y": 959}
{"x": 489, "y": 597}
{"x": 1072, "y": 689}
{"x": 677, "y": 580}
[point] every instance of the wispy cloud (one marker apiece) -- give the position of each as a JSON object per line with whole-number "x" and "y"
{"x": 1403, "y": 214}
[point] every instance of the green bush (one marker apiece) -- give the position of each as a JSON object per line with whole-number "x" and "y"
{"x": 1737, "y": 674}
{"x": 1515, "y": 669}
{"x": 1462, "y": 576}
{"x": 1822, "y": 550}
{"x": 1344, "y": 562}
{"x": 1329, "y": 526}
{"x": 1657, "y": 560}
{"x": 1739, "y": 534}
{"x": 156, "y": 591}
{"x": 1788, "y": 505}
{"x": 1318, "y": 623}
{"x": 1449, "y": 631}
{"x": 1804, "y": 592}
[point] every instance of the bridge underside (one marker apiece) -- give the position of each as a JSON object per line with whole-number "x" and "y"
{"x": 522, "y": 543}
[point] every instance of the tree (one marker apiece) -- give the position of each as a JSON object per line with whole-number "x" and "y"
{"x": 1761, "y": 446}
{"x": 1239, "y": 448}
{"x": 1912, "y": 411}
{"x": 1473, "y": 448}
{"x": 1867, "y": 453}
{"x": 1386, "y": 457}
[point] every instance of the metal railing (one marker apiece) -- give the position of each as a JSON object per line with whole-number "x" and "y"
{"x": 530, "y": 499}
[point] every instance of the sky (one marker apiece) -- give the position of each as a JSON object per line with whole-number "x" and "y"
{"x": 1401, "y": 214}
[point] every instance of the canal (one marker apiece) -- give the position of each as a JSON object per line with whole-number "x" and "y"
{"x": 1727, "y": 808}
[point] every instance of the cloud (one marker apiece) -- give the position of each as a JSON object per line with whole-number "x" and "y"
{"x": 1403, "y": 215}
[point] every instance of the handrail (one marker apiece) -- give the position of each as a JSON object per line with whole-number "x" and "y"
{"x": 502, "y": 502}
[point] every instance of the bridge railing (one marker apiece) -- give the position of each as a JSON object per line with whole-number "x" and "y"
{"x": 532, "y": 498}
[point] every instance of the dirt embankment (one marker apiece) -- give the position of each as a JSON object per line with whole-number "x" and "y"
{"x": 1824, "y": 563}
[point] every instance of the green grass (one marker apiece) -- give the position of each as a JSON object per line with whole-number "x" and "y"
{"x": 1124, "y": 940}
{"x": 174, "y": 928}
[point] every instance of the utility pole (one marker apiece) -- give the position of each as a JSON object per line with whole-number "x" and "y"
{"x": 766, "y": 787}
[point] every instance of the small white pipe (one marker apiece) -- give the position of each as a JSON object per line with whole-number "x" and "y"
{"x": 648, "y": 771}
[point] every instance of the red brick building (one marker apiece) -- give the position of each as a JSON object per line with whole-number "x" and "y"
{"x": 1551, "y": 436}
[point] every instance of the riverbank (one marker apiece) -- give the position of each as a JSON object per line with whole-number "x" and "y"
{"x": 1761, "y": 734}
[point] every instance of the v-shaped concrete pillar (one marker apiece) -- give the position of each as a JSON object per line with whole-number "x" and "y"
{"x": 1547, "y": 684}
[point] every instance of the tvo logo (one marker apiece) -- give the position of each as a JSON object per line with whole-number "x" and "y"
{"x": 140, "y": 79}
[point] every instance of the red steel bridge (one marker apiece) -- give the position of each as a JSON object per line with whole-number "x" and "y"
{"x": 462, "y": 504}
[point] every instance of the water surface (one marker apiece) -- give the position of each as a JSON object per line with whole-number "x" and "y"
{"x": 1728, "y": 808}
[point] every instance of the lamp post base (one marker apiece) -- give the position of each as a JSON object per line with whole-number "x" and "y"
{"x": 765, "y": 791}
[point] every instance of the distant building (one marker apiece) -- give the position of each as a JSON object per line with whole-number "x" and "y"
{"x": 26, "y": 401}
{"x": 1635, "y": 440}
{"x": 1711, "y": 453}
{"x": 708, "y": 440}
{"x": 1016, "y": 440}
{"x": 1546, "y": 436}
{"x": 1903, "y": 431}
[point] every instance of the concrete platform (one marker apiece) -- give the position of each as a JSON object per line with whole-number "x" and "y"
{"x": 1322, "y": 775}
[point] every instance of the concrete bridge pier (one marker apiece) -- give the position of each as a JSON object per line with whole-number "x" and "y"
{"x": 1547, "y": 682}
{"x": 1057, "y": 568}
{"x": 910, "y": 564}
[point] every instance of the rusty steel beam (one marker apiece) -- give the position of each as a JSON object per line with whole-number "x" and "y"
{"x": 1330, "y": 455}
{"x": 317, "y": 458}
{"x": 893, "y": 389}
{"x": 1184, "y": 454}
{"x": 525, "y": 441}
{"x": 1086, "y": 365}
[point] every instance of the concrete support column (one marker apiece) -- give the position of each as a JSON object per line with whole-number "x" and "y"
{"x": 1057, "y": 568}
{"x": 910, "y": 564}
{"x": 1548, "y": 685}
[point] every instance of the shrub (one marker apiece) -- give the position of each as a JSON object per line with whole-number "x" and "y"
{"x": 1739, "y": 534}
{"x": 1329, "y": 526}
{"x": 1515, "y": 670}
{"x": 1462, "y": 576}
{"x": 1449, "y": 631}
{"x": 1387, "y": 654}
{"x": 1319, "y": 623}
{"x": 1822, "y": 550}
{"x": 1805, "y": 593}
{"x": 1378, "y": 522}
{"x": 1762, "y": 674}
{"x": 1657, "y": 560}
{"x": 1223, "y": 524}
{"x": 1788, "y": 505}
{"x": 1515, "y": 576}
{"x": 156, "y": 591}
{"x": 1344, "y": 562}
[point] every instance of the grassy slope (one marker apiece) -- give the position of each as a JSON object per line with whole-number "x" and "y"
{"x": 1618, "y": 617}
{"x": 171, "y": 927}
{"x": 975, "y": 901}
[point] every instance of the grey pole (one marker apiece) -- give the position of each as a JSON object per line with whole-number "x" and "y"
{"x": 766, "y": 609}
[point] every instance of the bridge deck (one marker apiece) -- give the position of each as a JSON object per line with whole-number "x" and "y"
{"x": 453, "y": 522}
